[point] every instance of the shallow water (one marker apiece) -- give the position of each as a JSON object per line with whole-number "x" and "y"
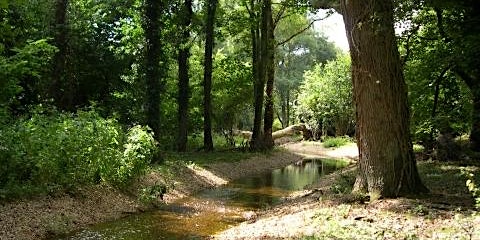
{"x": 213, "y": 210}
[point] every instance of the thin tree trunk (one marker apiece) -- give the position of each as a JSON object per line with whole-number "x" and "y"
{"x": 287, "y": 119}
{"x": 56, "y": 89}
{"x": 152, "y": 67}
{"x": 387, "y": 166}
{"x": 259, "y": 80}
{"x": 207, "y": 77}
{"x": 269, "y": 73}
{"x": 475, "y": 131}
{"x": 473, "y": 83}
{"x": 283, "y": 99}
{"x": 183, "y": 78}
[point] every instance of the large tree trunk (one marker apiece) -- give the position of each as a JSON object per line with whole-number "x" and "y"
{"x": 387, "y": 166}
{"x": 59, "y": 89}
{"x": 183, "y": 78}
{"x": 207, "y": 77}
{"x": 269, "y": 73}
{"x": 152, "y": 65}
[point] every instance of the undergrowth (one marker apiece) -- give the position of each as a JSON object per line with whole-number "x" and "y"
{"x": 329, "y": 142}
{"x": 54, "y": 151}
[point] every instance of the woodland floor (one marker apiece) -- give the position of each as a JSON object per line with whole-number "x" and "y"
{"x": 324, "y": 211}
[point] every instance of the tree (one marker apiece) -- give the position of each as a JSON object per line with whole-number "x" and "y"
{"x": 294, "y": 57}
{"x": 325, "y": 99}
{"x": 183, "y": 78}
{"x": 60, "y": 90}
{"x": 258, "y": 73}
{"x": 463, "y": 34}
{"x": 268, "y": 42}
{"x": 153, "y": 72}
{"x": 444, "y": 79}
{"x": 207, "y": 77}
{"x": 387, "y": 166}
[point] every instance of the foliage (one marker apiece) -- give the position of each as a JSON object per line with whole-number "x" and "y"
{"x": 329, "y": 142}
{"x": 436, "y": 41}
{"x": 295, "y": 57}
{"x": 326, "y": 97}
{"x": 27, "y": 65}
{"x": 472, "y": 186}
{"x": 52, "y": 150}
{"x": 150, "y": 194}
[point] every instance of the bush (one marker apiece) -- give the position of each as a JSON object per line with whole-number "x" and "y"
{"x": 472, "y": 186}
{"x": 325, "y": 99}
{"x": 335, "y": 141}
{"x": 63, "y": 150}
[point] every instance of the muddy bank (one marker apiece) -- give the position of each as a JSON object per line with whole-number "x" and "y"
{"x": 45, "y": 216}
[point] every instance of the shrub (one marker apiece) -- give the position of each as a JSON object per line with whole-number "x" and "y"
{"x": 472, "y": 186}
{"x": 335, "y": 141}
{"x": 325, "y": 99}
{"x": 51, "y": 151}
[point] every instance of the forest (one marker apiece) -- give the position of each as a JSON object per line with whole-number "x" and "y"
{"x": 136, "y": 104}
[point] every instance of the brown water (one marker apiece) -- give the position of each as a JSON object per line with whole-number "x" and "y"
{"x": 213, "y": 210}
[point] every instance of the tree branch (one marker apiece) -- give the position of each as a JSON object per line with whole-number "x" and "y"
{"x": 301, "y": 31}
{"x": 279, "y": 15}
{"x": 441, "y": 29}
{"x": 407, "y": 44}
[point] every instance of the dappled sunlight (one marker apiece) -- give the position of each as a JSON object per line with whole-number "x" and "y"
{"x": 207, "y": 176}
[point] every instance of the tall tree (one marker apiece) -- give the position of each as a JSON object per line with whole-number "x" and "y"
{"x": 263, "y": 59}
{"x": 207, "y": 75}
{"x": 387, "y": 166}
{"x": 59, "y": 89}
{"x": 268, "y": 28}
{"x": 152, "y": 27}
{"x": 183, "y": 78}
{"x": 258, "y": 74}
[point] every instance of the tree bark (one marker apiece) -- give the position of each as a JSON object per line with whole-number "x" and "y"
{"x": 183, "y": 78}
{"x": 58, "y": 88}
{"x": 269, "y": 74}
{"x": 387, "y": 166}
{"x": 259, "y": 79}
{"x": 207, "y": 77}
{"x": 475, "y": 131}
{"x": 152, "y": 64}
{"x": 472, "y": 80}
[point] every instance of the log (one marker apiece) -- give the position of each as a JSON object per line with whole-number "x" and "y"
{"x": 288, "y": 131}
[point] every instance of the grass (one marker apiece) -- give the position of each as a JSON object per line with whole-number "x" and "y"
{"x": 448, "y": 212}
{"x": 203, "y": 158}
{"x": 336, "y": 141}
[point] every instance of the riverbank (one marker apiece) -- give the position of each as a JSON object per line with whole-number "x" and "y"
{"x": 51, "y": 215}
{"x": 327, "y": 211}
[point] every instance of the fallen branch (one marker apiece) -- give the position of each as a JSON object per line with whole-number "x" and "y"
{"x": 288, "y": 131}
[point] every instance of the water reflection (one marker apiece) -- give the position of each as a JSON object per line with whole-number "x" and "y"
{"x": 213, "y": 210}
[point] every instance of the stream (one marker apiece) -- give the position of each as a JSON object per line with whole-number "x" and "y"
{"x": 213, "y": 210}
